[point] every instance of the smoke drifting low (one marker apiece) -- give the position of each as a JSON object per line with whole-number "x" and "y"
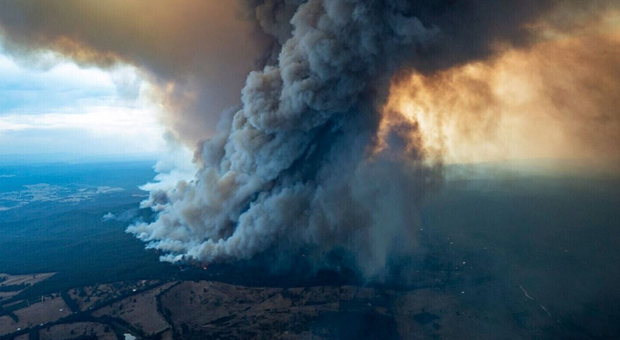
{"x": 311, "y": 161}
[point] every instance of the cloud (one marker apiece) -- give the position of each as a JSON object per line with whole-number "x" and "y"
{"x": 111, "y": 129}
{"x": 66, "y": 108}
{"x": 196, "y": 53}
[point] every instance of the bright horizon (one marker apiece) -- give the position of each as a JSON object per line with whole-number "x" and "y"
{"x": 63, "y": 108}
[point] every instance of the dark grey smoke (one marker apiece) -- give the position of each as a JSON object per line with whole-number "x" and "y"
{"x": 296, "y": 167}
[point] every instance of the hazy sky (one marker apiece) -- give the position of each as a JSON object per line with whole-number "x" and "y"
{"x": 549, "y": 92}
{"x": 51, "y": 105}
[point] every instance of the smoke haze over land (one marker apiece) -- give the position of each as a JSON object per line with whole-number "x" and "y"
{"x": 324, "y": 154}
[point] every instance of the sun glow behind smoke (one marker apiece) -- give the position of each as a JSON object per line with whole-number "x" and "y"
{"x": 556, "y": 99}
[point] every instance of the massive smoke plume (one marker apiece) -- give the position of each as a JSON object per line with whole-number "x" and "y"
{"x": 294, "y": 167}
{"x": 306, "y": 164}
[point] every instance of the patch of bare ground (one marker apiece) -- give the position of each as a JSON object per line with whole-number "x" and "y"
{"x": 30, "y": 279}
{"x": 212, "y": 309}
{"x": 12, "y": 285}
{"x": 7, "y": 295}
{"x": 90, "y": 296}
{"x": 139, "y": 310}
{"x": 39, "y": 313}
{"x": 77, "y": 330}
{"x": 5, "y": 298}
{"x": 167, "y": 335}
{"x": 197, "y": 304}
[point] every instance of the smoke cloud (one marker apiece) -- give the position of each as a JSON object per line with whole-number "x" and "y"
{"x": 310, "y": 162}
{"x": 556, "y": 99}
{"x": 299, "y": 166}
{"x": 196, "y": 53}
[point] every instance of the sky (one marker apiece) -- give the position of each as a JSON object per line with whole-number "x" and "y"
{"x": 50, "y": 105}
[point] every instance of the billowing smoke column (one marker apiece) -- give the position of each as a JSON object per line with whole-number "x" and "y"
{"x": 291, "y": 168}
{"x": 306, "y": 163}
{"x": 296, "y": 167}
